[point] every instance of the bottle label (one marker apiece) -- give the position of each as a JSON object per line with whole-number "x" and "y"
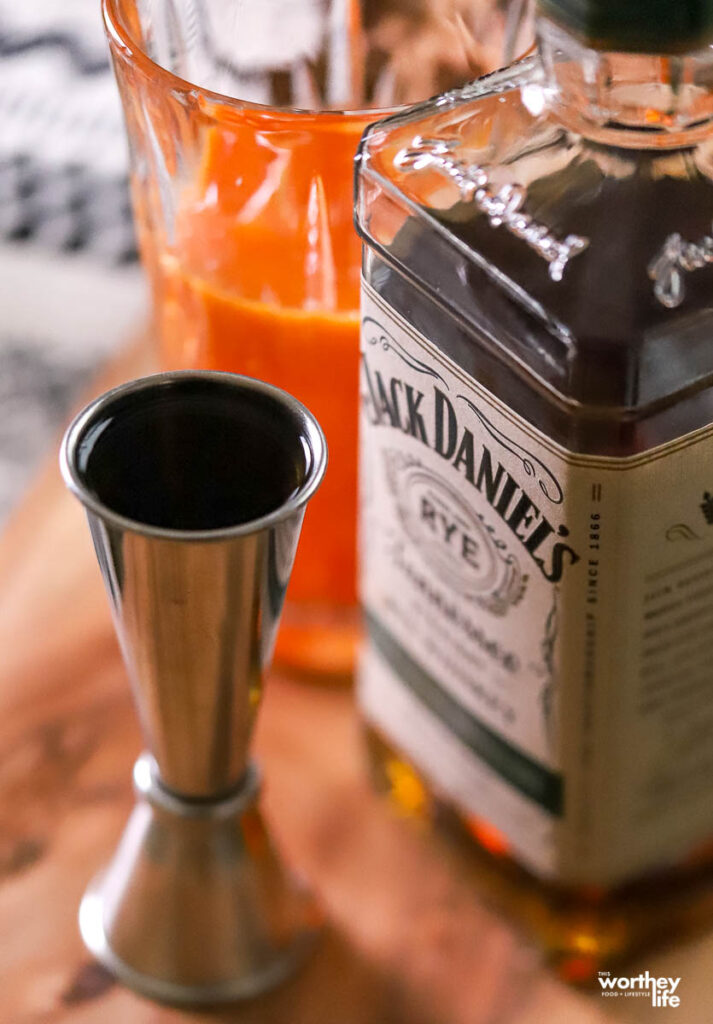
{"x": 539, "y": 623}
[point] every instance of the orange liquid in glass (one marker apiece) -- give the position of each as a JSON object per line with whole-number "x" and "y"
{"x": 262, "y": 278}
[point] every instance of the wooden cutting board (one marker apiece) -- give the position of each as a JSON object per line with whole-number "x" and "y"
{"x": 407, "y": 940}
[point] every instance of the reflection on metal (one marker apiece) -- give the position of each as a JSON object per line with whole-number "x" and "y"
{"x": 195, "y": 908}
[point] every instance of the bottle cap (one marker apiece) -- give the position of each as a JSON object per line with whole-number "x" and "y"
{"x": 635, "y": 26}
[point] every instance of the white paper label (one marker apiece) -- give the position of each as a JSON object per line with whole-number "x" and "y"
{"x": 539, "y": 622}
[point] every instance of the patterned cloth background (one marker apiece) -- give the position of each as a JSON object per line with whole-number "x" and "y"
{"x": 70, "y": 287}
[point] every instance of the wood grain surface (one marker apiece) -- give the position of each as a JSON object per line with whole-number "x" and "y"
{"x": 407, "y": 940}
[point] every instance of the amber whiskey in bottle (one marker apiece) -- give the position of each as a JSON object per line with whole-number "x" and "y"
{"x": 537, "y": 472}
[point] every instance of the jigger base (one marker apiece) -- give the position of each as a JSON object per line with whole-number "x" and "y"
{"x": 195, "y": 909}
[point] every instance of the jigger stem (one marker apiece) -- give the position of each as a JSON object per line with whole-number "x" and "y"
{"x": 195, "y": 909}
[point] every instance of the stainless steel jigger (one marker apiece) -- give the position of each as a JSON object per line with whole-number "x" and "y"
{"x": 195, "y": 907}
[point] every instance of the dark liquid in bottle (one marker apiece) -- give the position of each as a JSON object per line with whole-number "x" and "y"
{"x": 630, "y": 374}
{"x": 193, "y": 455}
{"x": 625, "y": 350}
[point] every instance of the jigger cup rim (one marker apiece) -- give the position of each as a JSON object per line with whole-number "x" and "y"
{"x": 311, "y": 435}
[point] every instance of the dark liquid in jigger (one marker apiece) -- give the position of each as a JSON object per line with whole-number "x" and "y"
{"x": 193, "y": 456}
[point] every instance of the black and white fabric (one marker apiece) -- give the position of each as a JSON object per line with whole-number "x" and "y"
{"x": 63, "y": 174}
{"x": 70, "y": 286}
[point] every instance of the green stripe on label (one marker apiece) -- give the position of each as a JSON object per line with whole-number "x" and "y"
{"x": 529, "y": 777}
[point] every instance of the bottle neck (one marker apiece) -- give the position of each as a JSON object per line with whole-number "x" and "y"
{"x": 632, "y": 100}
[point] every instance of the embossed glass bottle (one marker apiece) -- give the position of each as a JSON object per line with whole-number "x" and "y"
{"x": 537, "y": 471}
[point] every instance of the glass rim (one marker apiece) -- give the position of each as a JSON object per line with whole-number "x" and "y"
{"x": 309, "y": 432}
{"x": 121, "y": 37}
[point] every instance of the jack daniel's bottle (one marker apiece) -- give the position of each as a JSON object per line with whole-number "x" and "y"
{"x": 537, "y": 470}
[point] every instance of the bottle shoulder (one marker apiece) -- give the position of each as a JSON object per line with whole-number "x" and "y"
{"x": 570, "y": 253}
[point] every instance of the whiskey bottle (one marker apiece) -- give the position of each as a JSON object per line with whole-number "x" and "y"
{"x": 537, "y": 471}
